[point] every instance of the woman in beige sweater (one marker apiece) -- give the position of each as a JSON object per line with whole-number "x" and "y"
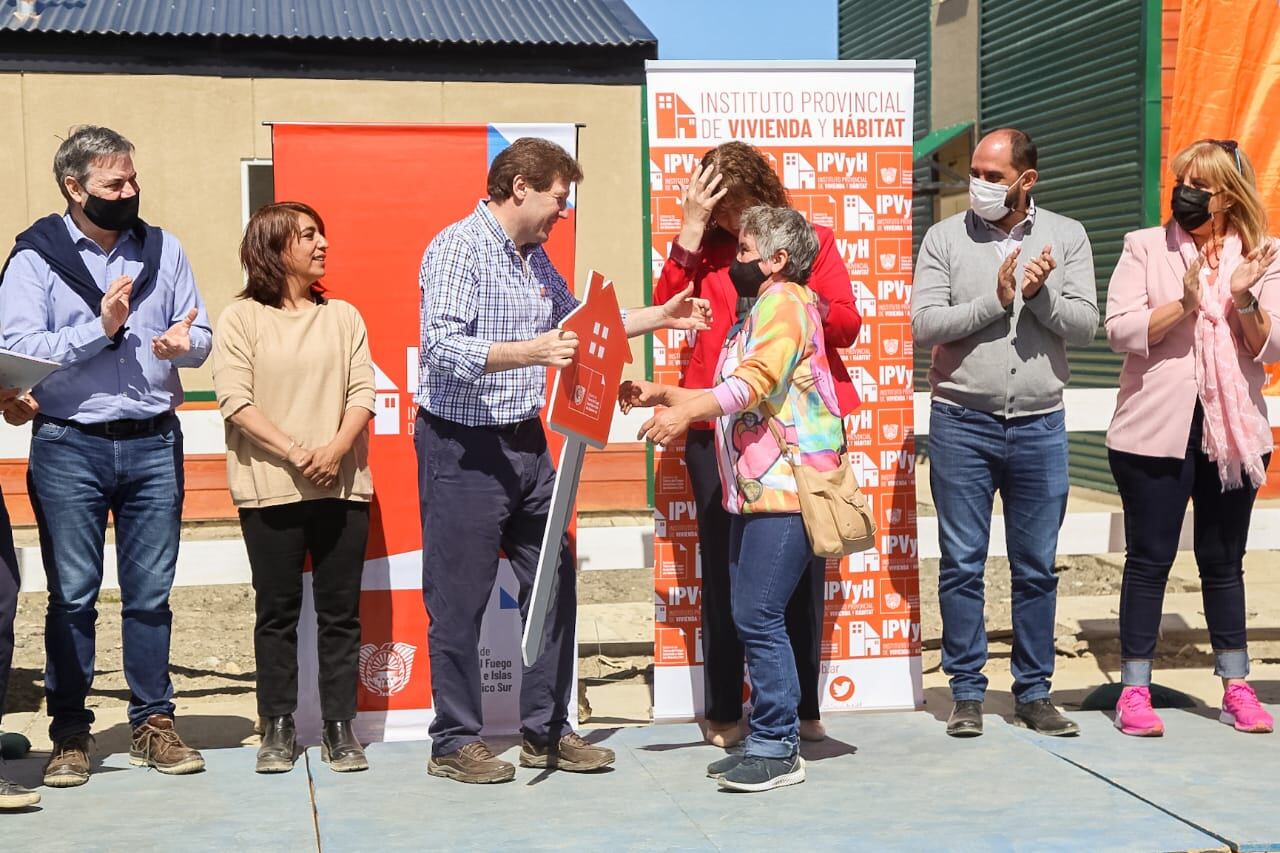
{"x": 294, "y": 381}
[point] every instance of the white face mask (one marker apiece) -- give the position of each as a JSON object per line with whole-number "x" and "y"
{"x": 988, "y": 199}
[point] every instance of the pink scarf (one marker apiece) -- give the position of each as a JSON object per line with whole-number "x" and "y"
{"x": 1236, "y": 435}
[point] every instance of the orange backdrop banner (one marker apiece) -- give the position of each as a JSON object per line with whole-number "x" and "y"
{"x": 1226, "y": 85}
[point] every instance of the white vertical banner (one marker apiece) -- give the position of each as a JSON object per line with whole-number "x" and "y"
{"x": 839, "y": 136}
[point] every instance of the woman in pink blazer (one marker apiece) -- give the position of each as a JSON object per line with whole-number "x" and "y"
{"x": 1195, "y": 307}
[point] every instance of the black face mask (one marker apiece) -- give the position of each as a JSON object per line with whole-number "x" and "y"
{"x": 1190, "y": 206}
{"x": 747, "y": 278}
{"x": 118, "y": 214}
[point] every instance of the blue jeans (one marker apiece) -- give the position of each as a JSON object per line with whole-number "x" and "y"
{"x": 972, "y": 455}
{"x": 768, "y": 554}
{"x": 74, "y": 480}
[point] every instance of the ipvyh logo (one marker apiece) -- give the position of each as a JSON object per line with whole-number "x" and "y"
{"x": 865, "y": 470}
{"x": 868, "y": 389}
{"x": 864, "y": 299}
{"x": 841, "y": 688}
{"x": 386, "y": 669}
{"x": 675, "y": 119}
{"x": 842, "y": 163}
{"x": 797, "y": 172}
{"x": 858, "y": 215}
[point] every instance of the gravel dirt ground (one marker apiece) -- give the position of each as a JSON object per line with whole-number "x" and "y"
{"x": 212, "y": 658}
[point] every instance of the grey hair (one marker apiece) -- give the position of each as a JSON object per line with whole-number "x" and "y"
{"x": 781, "y": 228}
{"x": 77, "y": 153}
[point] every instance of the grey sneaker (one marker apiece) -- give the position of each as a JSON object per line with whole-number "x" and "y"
{"x": 721, "y": 766}
{"x": 754, "y": 774}
{"x": 14, "y": 796}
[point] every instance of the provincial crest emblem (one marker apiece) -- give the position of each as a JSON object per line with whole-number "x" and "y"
{"x": 385, "y": 669}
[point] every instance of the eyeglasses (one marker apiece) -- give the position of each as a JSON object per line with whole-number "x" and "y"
{"x": 1231, "y": 147}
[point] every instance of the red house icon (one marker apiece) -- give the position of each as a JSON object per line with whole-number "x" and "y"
{"x": 582, "y": 400}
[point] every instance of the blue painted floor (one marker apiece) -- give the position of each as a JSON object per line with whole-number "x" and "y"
{"x": 227, "y": 807}
{"x": 1206, "y": 773}
{"x": 880, "y": 782}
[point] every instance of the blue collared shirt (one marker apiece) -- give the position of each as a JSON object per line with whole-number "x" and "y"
{"x": 477, "y": 290}
{"x": 41, "y": 316}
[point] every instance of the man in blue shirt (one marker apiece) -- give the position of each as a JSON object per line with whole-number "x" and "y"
{"x": 491, "y": 301}
{"x": 113, "y": 301}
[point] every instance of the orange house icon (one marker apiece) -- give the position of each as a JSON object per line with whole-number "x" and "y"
{"x": 674, "y": 117}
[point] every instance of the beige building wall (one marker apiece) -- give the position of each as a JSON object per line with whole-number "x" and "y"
{"x": 192, "y": 134}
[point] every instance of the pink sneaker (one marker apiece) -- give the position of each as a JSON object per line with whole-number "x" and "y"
{"x": 1134, "y": 714}
{"x": 1240, "y": 709}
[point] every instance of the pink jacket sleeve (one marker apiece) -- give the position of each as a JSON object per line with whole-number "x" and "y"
{"x": 1268, "y": 293}
{"x": 1129, "y": 309}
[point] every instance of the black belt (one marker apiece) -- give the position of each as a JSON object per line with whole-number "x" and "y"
{"x": 125, "y": 428}
{"x": 517, "y": 428}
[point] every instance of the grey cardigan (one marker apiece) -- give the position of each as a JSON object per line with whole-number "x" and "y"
{"x": 1007, "y": 362}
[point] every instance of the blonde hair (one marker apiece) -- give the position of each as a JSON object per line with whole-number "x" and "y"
{"x": 1233, "y": 174}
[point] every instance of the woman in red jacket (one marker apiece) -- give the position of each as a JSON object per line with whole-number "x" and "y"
{"x": 733, "y": 177}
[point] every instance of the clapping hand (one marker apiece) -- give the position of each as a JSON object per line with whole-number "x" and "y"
{"x": 176, "y": 341}
{"x": 1036, "y": 271}
{"x": 1006, "y": 285}
{"x": 1251, "y": 269}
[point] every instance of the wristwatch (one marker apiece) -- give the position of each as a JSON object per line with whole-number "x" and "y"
{"x": 1251, "y": 308}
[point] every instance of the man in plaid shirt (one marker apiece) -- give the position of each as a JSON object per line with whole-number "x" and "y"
{"x": 491, "y": 301}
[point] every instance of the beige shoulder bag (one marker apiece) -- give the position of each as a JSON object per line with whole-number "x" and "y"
{"x": 835, "y": 511}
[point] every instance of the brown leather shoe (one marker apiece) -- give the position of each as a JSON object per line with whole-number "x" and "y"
{"x": 474, "y": 763}
{"x": 572, "y": 753}
{"x": 68, "y": 764}
{"x": 156, "y": 744}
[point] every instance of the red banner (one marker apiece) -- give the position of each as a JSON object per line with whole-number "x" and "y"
{"x": 384, "y": 191}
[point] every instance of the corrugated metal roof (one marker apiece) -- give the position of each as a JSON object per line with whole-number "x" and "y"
{"x": 524, "y": 22}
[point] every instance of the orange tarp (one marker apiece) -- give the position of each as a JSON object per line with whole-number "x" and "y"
{"x": 1226, "y": 85}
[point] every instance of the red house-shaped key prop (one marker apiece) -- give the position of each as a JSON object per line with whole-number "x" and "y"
{"x": 584, "y": 395}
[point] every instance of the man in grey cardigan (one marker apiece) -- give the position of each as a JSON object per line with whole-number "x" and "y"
{"x": 1000, "y": 291}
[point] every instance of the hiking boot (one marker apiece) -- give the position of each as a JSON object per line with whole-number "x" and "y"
{"x": 755, "y": 774}
{"x": 279, "y": 745}
{"x": 475, "y": 763}
{"x": 14, "y": 796}
{"x": 1241, "y": 711}
{"x": 572, "y": 753}
{"x": 1039, "y": 715}
{"x": 965, "y": 719}
{"x": 156, "y": 744}
{"x": 68, "y": 764}
{"x": 1134, "y": 714}
{"x": 721, "y": 766}
{"x": 340, "y": 749}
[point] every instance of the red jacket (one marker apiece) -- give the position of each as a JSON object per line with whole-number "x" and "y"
{"x": 710, "y": 276}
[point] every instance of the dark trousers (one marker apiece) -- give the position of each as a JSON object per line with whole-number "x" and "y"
{"x": 9, "y": 585}
{"x": 279, "y": 539}
{"x": 483, "y": 491}
{"x": 1155, "y": 492}
{"x": 722, "y": 651}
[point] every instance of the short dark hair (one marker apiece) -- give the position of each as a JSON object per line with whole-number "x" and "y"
{"x": 78, "y": 152}
{"x": 269, "y": 232}
{"x": 539, "y": 161}
{"x": 1023, "y": 152}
